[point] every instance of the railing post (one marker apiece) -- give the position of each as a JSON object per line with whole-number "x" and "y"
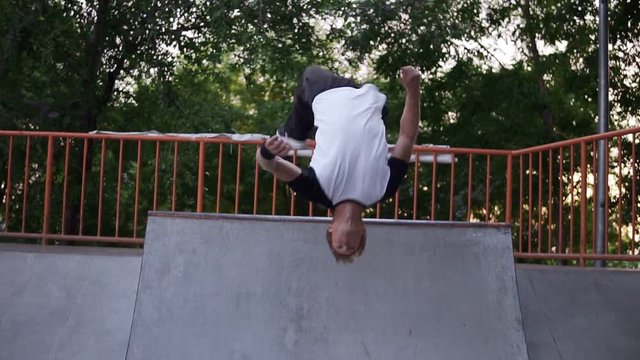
{"x": 8, "y": 186}
{"x": 201, "y": 158}
{"x": 509, "y": 187}
{"x": 602, "y": 197}
{"x": 47, "y": 191}
{"x": 583, "y": 202}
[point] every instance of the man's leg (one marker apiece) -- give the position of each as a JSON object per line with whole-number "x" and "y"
{"x": 314, "y": 81}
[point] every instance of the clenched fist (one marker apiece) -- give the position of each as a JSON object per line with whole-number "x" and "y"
{"x": 277, "y": 146}
{"x": 410, "y": 78}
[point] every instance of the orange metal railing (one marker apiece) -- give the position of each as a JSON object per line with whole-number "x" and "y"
{"x": 557, "y": 197}
{"x": 59, "y": 187}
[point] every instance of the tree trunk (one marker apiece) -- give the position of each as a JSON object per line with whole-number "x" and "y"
{"x": 89, "y": 112}
{"x": 93, "y": 55}
{"x": 545, "y": 112}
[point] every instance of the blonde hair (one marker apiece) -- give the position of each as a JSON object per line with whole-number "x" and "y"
{"x": 349, "y": 258}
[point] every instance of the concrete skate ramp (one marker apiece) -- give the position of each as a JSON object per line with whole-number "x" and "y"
{"x": 66, "y": 303}
{"x": 573, "y": 313}
{"x": 239, "y": 287}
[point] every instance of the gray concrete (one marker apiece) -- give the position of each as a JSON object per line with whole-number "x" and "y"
{"x": 66, "y": 303}
{"x": 77, "y": 303}
{"x": 585, "y": 314}
{"x": 224, "y": 287}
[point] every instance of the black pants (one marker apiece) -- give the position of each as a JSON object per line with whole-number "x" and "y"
{"x": 314, "y": 81}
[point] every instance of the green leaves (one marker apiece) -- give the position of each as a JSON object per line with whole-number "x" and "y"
{"x": 506, "y": 74}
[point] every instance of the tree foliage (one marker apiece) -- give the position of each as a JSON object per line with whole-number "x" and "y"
{"x": 507, "y": 74}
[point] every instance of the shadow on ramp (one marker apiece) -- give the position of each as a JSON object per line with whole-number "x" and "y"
{"x": 241, "y": 287}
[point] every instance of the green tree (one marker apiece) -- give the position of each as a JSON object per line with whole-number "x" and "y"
{"x": 231, "y": 66}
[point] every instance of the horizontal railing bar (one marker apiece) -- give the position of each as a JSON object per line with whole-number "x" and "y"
{"x": 585, "y": 139}
{"x": 82, "y": 238}
{"x": 130, "y": 137}
{"x": 434, "y": 149}
{"x": 140, "y": 241}
{"x": 545, "y": 256}
{"x": 218, "y": 140}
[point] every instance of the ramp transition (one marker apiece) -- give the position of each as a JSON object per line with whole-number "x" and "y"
{"x": 66, "y": 303}
{"x": 580, "y": 313}
{"x": 240, "y": 287}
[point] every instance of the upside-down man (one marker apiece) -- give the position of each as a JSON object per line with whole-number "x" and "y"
{"x": 350, "y": 169}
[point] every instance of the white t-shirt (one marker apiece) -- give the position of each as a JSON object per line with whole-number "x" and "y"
{"x": 350, "y": 158}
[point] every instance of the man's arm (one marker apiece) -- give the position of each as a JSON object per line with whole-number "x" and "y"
{"x": 410, "y": 78}
{"x": 279, "y": 167}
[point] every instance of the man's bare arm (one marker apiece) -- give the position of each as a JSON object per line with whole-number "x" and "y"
{"x": 279, "y": 167}
{"x": 410, "y": 78}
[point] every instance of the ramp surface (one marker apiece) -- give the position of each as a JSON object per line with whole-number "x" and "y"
{"x": 238, "y": 287}
{"x": 66, "y": 304}
{"x": 573, "y": 313}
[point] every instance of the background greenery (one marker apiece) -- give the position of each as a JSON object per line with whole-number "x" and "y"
{"x": 497, "y": 74}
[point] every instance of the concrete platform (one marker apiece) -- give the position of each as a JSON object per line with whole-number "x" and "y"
{"x": 239, "y": 287}
{"x": 66, "y": 303}
{"x": 577, "y": 313}
{"x": 77, "y": 303}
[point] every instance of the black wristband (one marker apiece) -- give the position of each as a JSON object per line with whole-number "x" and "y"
{"x": 266, "y": 153}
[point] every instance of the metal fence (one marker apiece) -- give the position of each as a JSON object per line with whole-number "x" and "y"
{"x": 64, "y": 187}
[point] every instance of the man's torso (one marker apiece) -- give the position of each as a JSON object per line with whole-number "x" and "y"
{"x": 350, "y": 158}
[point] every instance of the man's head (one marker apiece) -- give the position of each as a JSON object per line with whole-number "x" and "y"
{"x": 346, "y": 234}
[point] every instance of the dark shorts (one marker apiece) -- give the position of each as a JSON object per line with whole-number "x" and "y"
{"x": 314, "y": 81}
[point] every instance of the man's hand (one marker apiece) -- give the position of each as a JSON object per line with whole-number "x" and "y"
{"x": 277, "y": 146}
{"x": 279, "y": 167}
{"x": 410, "y": 78}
